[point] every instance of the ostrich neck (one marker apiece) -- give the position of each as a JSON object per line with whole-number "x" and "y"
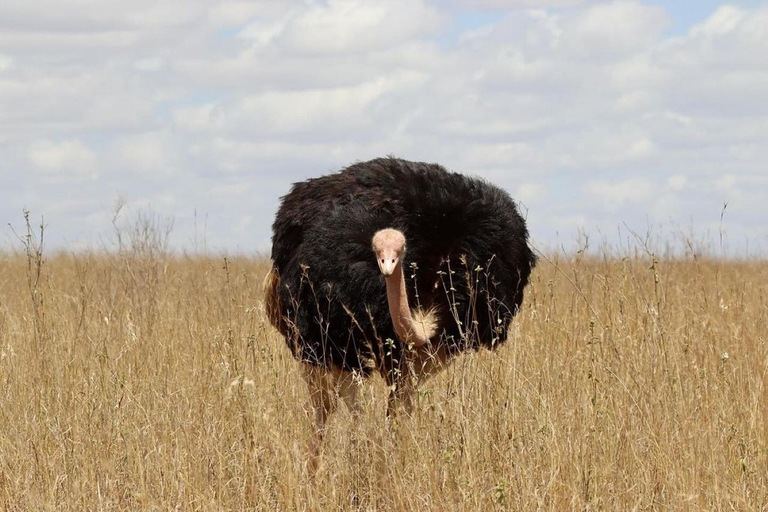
{"x": 402, "y": 320}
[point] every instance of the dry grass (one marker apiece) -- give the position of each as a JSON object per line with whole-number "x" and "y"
{"x": 140, "y": 380}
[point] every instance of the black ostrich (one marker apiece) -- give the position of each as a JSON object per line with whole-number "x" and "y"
{"x": 393, "y": 267}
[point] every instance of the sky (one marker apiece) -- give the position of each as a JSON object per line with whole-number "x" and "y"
{"x": 600, "y": 117}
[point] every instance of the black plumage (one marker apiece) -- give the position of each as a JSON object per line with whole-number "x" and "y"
{"x": 467, "y": 258}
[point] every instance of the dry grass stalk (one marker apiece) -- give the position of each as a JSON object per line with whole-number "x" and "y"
{"x": 631, "y": 382}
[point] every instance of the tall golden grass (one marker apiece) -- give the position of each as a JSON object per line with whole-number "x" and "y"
{"x": 138, "y": 379}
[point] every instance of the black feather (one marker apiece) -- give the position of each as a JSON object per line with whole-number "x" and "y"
{"x": 467, "y": 256}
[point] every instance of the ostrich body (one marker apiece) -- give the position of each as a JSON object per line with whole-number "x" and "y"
{"x": 392, "y": 267}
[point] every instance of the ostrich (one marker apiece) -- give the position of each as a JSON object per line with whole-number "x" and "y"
{"x": 392, "y": 267}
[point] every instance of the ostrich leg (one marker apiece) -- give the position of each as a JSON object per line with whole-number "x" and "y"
{"x": 401, "y": 395}
{"x": 420, "y": 363}
{"x": 349, "y": 385}
{"x": 403, "y": 389}
{"x": 322, "y": 403}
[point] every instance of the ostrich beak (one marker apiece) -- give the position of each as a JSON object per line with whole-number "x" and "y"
{"x": 387, "y": 264}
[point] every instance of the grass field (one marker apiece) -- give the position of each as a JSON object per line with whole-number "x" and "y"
{"x": 136, "y": 379}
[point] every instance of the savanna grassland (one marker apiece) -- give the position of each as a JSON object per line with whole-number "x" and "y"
{"x": 140, "y": 379}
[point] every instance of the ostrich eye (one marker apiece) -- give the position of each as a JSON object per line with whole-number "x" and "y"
{"x": 393, "y": 261}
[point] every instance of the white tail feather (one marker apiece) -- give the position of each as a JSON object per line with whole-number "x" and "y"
{"x": 424, "y": 323}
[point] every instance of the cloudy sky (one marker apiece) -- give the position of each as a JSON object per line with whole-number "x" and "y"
{"x": 596, "y": 115}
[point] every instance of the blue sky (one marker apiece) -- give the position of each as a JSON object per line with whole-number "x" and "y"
{"x": 596, "y": 115}
{"x": 684, "y": 14}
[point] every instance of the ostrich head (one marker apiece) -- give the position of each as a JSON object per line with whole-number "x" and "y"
{"x": 389, "y": 246}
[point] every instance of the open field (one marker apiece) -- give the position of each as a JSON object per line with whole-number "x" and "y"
{"x": 140, "y": 380}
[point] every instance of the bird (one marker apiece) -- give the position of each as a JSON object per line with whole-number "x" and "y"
{"x": 392, "y": 267}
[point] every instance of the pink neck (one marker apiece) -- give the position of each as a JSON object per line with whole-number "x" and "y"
{"x": 397, "y": 297}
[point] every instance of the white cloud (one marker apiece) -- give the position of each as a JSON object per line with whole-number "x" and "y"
{"x": 149, "y": 64}
{"x": 67, "y": 158}
{"x": 149, "y": 153}
{"x": 614, "y": 194}
{"x": 5, "y": 62}
{"x": 94, "y": 15}
{"x": 580, "y": 109}
{"x": 724, "y": 20}
{"x": 323, "y": 111}
{"x": 236, "y": 12}
{"x": 638, "y": 74}
{"x": 726, "y": 183}
{"x": 200, "y": 118}
{"x": 614, "y": 29}
{"x": 529, "y": 192}
{"x": 516, "y": 4}
{"x": 353, "y": 26}
{"x": 677, "y": 182}
{"x": 262, "y": 31}
{"x": 641, "y": 148}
